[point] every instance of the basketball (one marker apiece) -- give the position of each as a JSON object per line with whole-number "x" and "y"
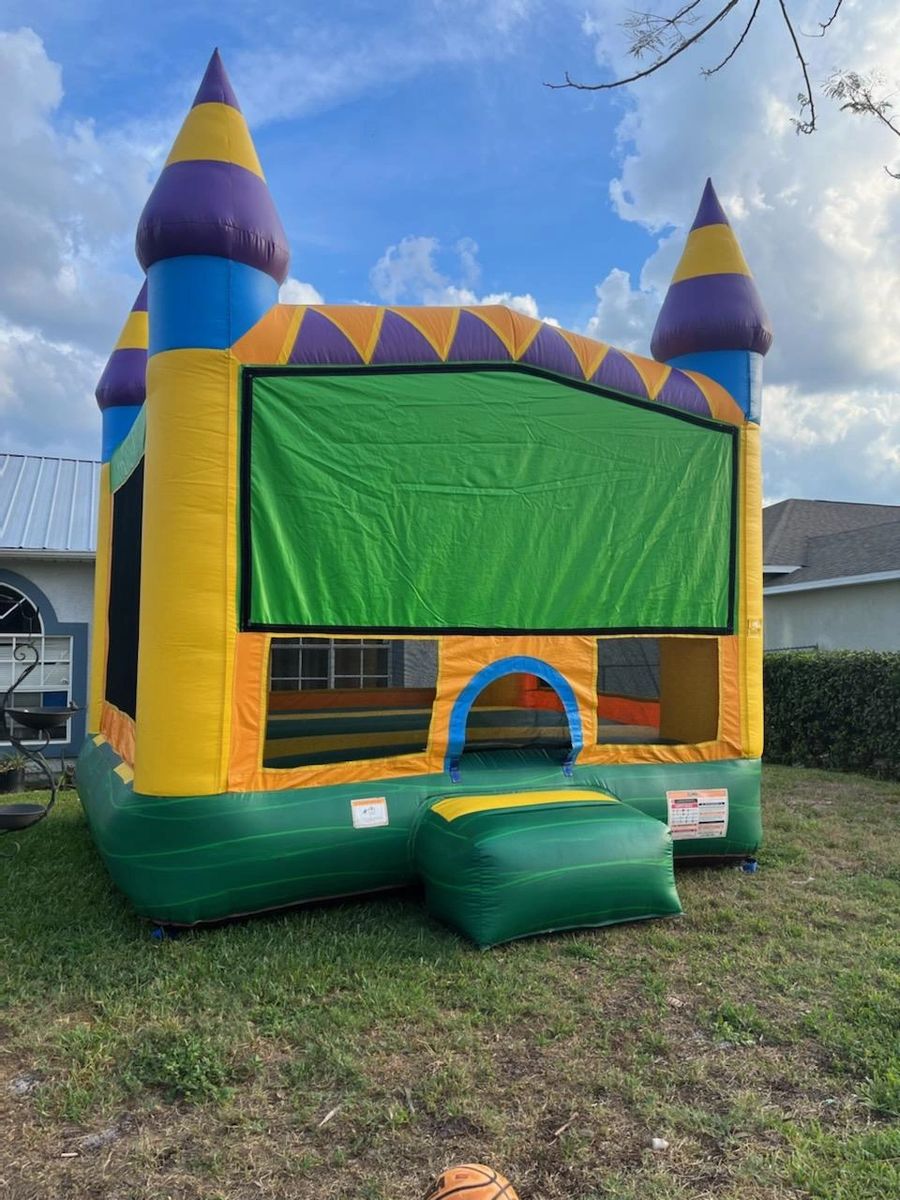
{"x": 471, "y": 1181}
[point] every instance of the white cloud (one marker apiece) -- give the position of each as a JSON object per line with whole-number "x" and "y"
{"x": 70, "y": 197}
{"x": 315, "y": 67}
{"x": 848, "y": 440}
{"x": 407, "y": 273}
{"x": 295, "y": 291}
{"x": 819, "y": 221}
{"x": 69, "y": 201}
{"x": 623, "y": 314}
{"x": 502, "y": 15}
{"x": 408, "y": 270}
{"x": 47, "y": 395}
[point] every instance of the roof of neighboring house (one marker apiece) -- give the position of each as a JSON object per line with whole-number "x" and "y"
{"x": 48, "y": 505}
{"x": 830, "y": 540}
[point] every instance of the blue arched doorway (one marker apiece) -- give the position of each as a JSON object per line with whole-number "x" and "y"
{"x": 513, "y": 665}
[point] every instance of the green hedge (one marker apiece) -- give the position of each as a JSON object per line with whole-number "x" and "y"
{"x": 838, "y": 709}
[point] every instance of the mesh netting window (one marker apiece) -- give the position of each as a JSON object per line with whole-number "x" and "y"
{"x": 517, "y": 712}
{"x": 125, "y": 593}
{"x": 661, "y": 690}
{"x": 343, "y": 699}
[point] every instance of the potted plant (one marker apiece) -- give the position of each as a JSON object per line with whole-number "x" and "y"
{"x": 12, "y": 773}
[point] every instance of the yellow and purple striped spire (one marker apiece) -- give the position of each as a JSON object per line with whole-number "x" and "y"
{"x": 123, "y": 382}
{"x": 712, "y": 302}
{"x": 212, "y": 198}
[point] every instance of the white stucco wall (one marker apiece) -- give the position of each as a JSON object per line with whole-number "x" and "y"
{"x": 67, "y": 584}
{"x": 862, "y": 616}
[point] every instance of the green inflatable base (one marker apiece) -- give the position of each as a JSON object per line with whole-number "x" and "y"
{"x": 543, "y": 863}
{"x": 191, "y": 859}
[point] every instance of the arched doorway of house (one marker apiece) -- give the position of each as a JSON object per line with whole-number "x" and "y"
{"x": 50, "y": 684}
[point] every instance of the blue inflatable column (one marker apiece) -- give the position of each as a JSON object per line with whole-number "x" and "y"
{"x": 215, "y": 253}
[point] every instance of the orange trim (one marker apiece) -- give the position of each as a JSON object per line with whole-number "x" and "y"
{"x": 728, "y": 743}
{"x": 495, "y": 317}
{"x": 360, "y": 323}
{"x": 264, "y": 343}
{"x": 721, "y": 405}
{"x": 590, "y": 354}
{"x": 514, "y": 329}
{"x": 436, "y": 325}
{"x": 312, "y": 701}
{"x": 118, "y": 729}
{"x": 653, "y": 374}
{"x": 272, "y": 339}
{"x": 248, "y": 721}
{"x": 463, "y": 657}
{"x": 525, "y": 330}
{"x": 628, "y": 710}
{"x": 460, "y": 658}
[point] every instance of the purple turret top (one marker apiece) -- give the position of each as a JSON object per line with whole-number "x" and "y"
{"x": 212, "y": 198}
{"x": 712, "y": 302}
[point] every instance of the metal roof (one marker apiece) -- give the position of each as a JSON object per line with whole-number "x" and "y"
{"x": 48, "y": 505}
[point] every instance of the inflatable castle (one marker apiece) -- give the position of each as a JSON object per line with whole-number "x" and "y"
{"x": 435, "y": 595}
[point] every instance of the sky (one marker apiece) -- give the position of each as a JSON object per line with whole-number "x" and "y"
{"x": 415, "y": 156}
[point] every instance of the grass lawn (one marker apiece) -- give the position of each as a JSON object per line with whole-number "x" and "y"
{"x": 352, "y": 1050}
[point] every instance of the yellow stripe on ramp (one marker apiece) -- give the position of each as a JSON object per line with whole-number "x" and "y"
{"x": 461, "y": 806}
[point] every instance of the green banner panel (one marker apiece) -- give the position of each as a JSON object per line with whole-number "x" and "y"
{"x": 479, "y": 500}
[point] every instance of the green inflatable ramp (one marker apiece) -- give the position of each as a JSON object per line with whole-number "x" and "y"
{"x": 498, "y": 867}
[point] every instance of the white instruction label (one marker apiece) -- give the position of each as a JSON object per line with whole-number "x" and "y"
{"x": 368, "y": 813}
{"x": 698, "y": 814}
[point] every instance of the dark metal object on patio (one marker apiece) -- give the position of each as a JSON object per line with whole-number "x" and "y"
{"x": 20, "y": 816}
{"x": 41, "y": 721}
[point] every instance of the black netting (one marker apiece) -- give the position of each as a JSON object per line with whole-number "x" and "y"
{"x": 125, "y": 593}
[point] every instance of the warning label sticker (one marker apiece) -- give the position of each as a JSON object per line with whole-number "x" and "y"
{"x": 369, "y": 813}
{"x": 698, "y": 814}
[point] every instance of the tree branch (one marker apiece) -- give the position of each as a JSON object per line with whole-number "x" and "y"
{"x": 806, "y": 101}
{"x": 668, "y": 37}
{"x": 651, "y": 30}
{"x": 737, "y": 45}
{"x": 685, "y": 44}
{"x": 824, "y": 26}
{"x": 856, "y": 94}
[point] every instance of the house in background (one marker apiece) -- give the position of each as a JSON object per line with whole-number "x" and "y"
{"x": 831, "y": 575}
{"x": 47, "y": 546}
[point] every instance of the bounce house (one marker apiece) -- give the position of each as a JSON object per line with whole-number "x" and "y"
{"x": 390, "y": 595}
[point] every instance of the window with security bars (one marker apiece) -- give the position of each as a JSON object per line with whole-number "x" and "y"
{"x": 344, "y": 699}
{"x": 49, "y": 684}
{"x": 312, "y": 663}
{"x": 17, "y": 613}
